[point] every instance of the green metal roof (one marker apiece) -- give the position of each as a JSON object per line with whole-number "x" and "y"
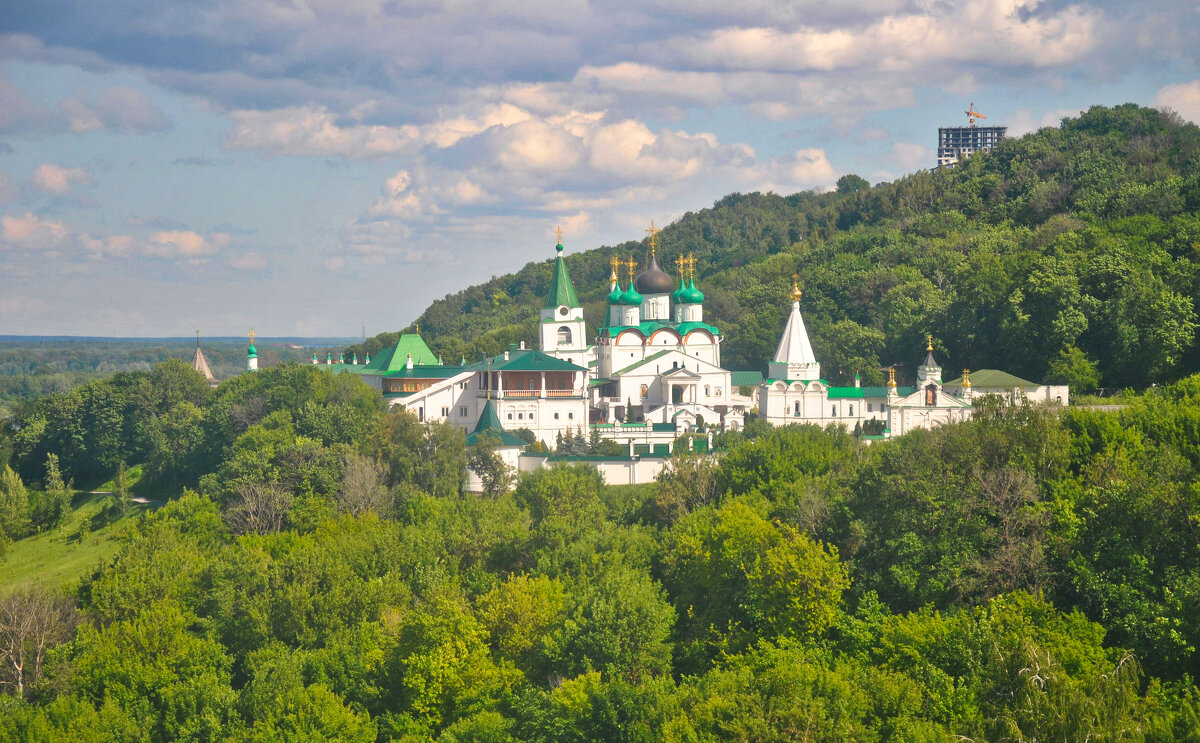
{"x": 425, "y": 372}
{"x": 647, "y": 328}
{"x": 842, "y": 393}
{"x": 524, "y": 360}
{"x": 396, "y": 358}
{"x": 993, "y": 378}
{"x": 646, "y": 360}
{"x": 489, "y": 422}
{"x": 562, "y": 292}
{"x": 745, "y": 378}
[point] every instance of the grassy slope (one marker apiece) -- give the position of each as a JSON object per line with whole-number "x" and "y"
{"x": 61, "y": 556}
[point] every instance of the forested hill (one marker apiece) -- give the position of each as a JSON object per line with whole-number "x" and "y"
{"x": 1063, "y": 253}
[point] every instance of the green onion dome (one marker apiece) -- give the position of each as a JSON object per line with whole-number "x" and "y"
{"x": 616, "y": 295}
{"x": 631, "y": 295}
{"x": 691, "y": 295}
{"x": 676, "y": 296}
{"x": 251, "y": 352}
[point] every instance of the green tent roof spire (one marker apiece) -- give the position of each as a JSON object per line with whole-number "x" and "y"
{"x": 562, "y": 292}
{"x": 489, "y": 422}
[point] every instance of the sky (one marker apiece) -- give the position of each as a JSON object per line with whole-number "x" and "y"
{"x": 317, "y": 167}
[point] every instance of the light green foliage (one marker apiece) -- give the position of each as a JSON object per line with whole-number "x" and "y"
{"x": 618, "y": 623}
{"x": 438, "y": 667}
{"x": 518, "y": 614}
{"x": 1074, "y": 369}
{"x": 735, "y": 576}
{"x": 14, "y": 505}
{"x": 161, "y": 668}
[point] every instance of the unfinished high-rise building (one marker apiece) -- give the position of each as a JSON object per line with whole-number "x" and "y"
{"x": 958, "y": 142}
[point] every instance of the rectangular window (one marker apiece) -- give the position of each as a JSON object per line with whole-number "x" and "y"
{"x": 462, "y": 412}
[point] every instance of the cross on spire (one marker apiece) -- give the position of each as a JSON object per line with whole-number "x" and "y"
{"x": 558, "y": 233}
{"x": 682, "y": 264}
{"x": 197, "y": 339}
{"x": 691, "y": 264}
{"x": 929, "y": 341}
{"x": 615, "y": 262}
{"x": 653, "y": 233}
{"x": 252, "y": 336}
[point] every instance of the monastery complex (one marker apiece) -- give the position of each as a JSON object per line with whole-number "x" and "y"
{"x": 652, "y": 373}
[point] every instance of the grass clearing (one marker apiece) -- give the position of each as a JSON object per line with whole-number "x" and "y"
{"x": 62, "y": 556}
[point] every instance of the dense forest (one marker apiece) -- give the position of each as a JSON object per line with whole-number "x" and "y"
{"x": 1033, "y": 574}
{"x": 1066, "y": 255}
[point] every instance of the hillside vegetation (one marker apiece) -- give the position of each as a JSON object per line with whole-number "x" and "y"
{"x": 1070, "y": 253}
{"x": 1030, "y": 575}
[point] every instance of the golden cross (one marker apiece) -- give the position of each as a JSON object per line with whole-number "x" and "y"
{"x": 681, "y": 263}
{"x": 558, "y": 233}
{"x": 252, "y": 336}
{"x": 929, "y": 341}
{"x": 891, "y": 376}
{"x": 691, "y": 265}
{"x": 616, "y": 265}
{"x": 631, "y": 265}
{"x": 653, "y": 233}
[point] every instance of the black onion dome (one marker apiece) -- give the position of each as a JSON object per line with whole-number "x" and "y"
{"x": 653, "y": 280}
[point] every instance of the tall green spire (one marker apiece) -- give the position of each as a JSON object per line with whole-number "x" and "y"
{"x": 562, "y": 291}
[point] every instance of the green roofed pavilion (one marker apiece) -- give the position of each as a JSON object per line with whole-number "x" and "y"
{"x": 562, "y": 292}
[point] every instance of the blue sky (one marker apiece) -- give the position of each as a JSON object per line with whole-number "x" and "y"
{"x": 308, "y": 167}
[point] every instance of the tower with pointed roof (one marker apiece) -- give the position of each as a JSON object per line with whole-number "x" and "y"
{"x": 562, "y": 332}
{"x": 794, "y": 358}
{"x": 200, "y": 364}
{"x": 929, "y": 370}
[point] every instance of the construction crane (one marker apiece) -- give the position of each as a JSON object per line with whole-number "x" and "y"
{"x": 972, "y": 114}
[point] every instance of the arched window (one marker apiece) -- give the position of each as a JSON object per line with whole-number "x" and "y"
{"x": 707, "y": 391}
{"x": 797, "y": 408}
{"x": 556, "y": 416}
{"x": 564, "y": 336}
{"x": 834, "y": 411}
{"x": 851, "y": 413}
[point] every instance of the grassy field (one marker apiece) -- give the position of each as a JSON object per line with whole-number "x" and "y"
{"x": 61, "y": 556}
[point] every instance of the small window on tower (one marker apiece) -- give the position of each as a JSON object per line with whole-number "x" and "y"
{"x": 564, "y": 335}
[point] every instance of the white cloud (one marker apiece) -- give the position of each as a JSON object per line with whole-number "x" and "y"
{"x": 1024, "y": 120}
{"x": 910, "y": 156}
{"x": 31, "y": 232}
{"x": 57, "y": 180}
{"x": 184, "y": 244}
{"x": 250, "y": 261}
{"x": 313, "y": 130}
{"x": 1183, "y": 98}
{"x": 991, "y": 32}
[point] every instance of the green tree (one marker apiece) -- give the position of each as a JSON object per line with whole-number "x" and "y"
{"x": 14, "y": 505}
